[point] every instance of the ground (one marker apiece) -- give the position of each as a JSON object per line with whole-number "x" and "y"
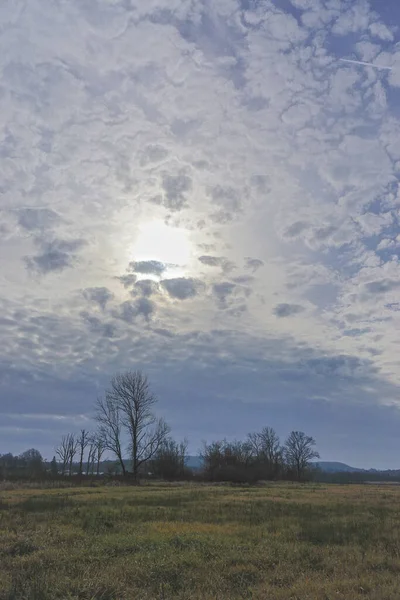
{"x": 277, "y": 541}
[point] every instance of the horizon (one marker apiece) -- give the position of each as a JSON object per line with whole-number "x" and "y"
{"x": 191, "y": 455}
{"x": 208, "y": 193}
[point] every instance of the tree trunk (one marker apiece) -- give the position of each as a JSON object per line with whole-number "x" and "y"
{"x": 121, "y": 462}
{"x": 81, "y": 461}
{"x": 134, "y": 456}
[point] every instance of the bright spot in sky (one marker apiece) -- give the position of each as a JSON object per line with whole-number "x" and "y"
{"x": 158, "y": 241}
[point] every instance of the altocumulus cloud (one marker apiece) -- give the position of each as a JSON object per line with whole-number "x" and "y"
{"x": 148, "y": 267}
{"x": 287, "y": 310}
{"x": 182, "y": 288}
{"x": 56, "y": 255}
{"x": 37, "y": 218}
{"x": 142, "y": 307}
{"x": 98, "y": 295}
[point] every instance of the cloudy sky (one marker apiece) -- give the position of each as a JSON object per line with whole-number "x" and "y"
{"x": 204, "y": 190}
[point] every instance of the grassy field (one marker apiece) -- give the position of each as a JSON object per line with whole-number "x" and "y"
{"x": 210, "y": 542}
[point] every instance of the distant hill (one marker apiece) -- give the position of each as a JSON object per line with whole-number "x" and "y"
{"x": 327, "y": 468}
{"x": 337, "y": 467}
{"x": 196, "y": 462}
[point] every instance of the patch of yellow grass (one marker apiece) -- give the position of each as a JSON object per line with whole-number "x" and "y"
{"x": 195, "y": 528}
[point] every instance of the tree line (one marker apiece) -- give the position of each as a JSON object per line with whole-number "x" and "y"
{"x": 29, "y": 464}
{"x": 260, "y": 457}
{"x": 127, "y": 425}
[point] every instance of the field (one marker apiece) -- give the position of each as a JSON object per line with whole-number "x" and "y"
{"x": 203, "y": 542}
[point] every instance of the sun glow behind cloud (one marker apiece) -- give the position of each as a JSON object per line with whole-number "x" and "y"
{"x": 160, "y": 242}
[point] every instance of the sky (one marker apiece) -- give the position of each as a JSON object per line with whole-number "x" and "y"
{"x": 206, "y": 191}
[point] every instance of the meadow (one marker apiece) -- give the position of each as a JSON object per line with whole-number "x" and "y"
{"x": 273, "y": 541}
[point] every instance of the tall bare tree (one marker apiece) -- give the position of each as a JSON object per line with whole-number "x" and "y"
{"x": 130, "y": 393}
{"x": 73, "y": 443}
{"x": 90, "y": 455}
{"x": 83, "y": 442}
{"x": 62, "y": 451}
{"x": 299, "y": 451}
{"x": 99, "y": 449}
{"x": 109, "y": 418}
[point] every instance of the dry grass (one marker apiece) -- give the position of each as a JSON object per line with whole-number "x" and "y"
{"x": 202, "y": 542}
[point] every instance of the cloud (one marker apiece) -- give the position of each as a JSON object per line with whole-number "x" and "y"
{"x": 55, "y": 256}
{"x": 212, "y": 261}
{"x": 340, "y": 366}
{"x": 296, "y": 229}
{"x": 128, "y": 280}
{"x": 97, "y": 326}
{"x": 243, "y": 280}
{"x": 176, "y": 188}
{"x": 227, "y": 201}
{"x": 98, "y": 295}
{"x": 217, "y": 261}
{"x": 145, "y": 287}
{"x": 287, "y": 310}
{"x": 382, "y": 286}
{"x": 254, "y": 264}
{"x": 142, "y": 307}
{"x": 182, "y": 288}
{"x": 222, "y": 291}
{"x": 394, "y": 306}
{"x": 37, "y": 218}
{"x": 153, "y": 153}
{"x": 148, "y": 267}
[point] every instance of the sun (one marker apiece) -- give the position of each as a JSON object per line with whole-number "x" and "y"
{"x": 157, "y": 241}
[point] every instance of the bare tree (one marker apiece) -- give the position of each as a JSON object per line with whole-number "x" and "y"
{"x": 99, "y": 449}
{"x": 228, "y": 461}
{"x": 83, "y": 442}
{"x": 299, "y": 451}
{"x": 90, "y": 454}
{"x": 62, "y": 451}
{"x": 130, "y": 393}
{"x": 267, "y": 450}
{"x": 73, "y": 443}
{"x": 212, "y": 456}
{"x": 169, "y": 462}
{"x": 109, "y": 419}
{"x": 183, "y": 454}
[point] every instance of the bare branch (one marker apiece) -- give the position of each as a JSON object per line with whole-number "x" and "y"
{"x": 131, "y": 397}
{"x": 109, "y": 419}
{"x": 299, "y": 451}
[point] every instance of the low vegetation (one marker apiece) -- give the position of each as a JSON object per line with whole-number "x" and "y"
{"x": 277, "y": 540}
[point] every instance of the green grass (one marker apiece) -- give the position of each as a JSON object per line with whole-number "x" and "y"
{"x": 281, "y": 541}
